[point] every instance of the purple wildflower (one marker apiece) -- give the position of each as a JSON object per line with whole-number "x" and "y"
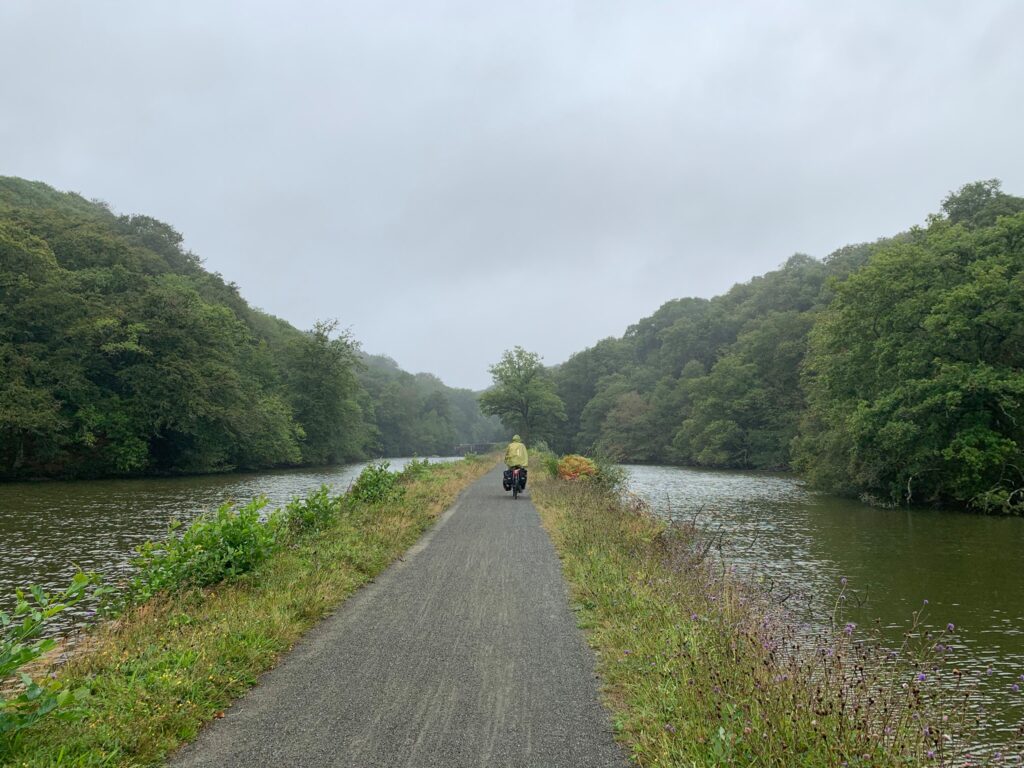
{"x": 1015, "y": 688}
{"x": 950, "y": 627}
{"x": 848, "y": 629}
{"x": 921, "y": 677}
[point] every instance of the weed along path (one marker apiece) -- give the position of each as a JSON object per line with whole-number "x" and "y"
{"x": 465, "y": 653}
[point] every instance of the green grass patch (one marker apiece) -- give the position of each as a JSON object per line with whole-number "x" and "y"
{"x": 701, "y": 670}
{"x": 176, "y": 660}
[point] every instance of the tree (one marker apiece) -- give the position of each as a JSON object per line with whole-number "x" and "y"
{"x": 980, "y": 203}
{"x": 523, "y": 396}
{"x": 322, "y": 383}
{"x": 915, "y": 373}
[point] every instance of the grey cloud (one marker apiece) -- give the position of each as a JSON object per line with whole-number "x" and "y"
{"x": 389, "y": 163}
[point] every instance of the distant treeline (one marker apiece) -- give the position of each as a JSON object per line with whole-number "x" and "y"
{"x": 893, "y": 369}
{"x": 121, "y": 355}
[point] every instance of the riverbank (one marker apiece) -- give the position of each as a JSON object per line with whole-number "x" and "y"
{"x": 701, "y": 669}
{"x": 175, "y": 662}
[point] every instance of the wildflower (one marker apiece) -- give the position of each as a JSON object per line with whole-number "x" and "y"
{"x": 950, "y": 627}
{"x": 989, "y": 671}
{"x": 842, "y": 581}
{"x": 921, "y": 677}
{"x": 1015, "y": 688}
{"x": 931, "y": 754}
{"x": 848, "y": 629}
{"x": 925, "y": 601}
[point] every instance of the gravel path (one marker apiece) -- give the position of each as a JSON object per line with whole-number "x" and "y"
{"x": 465, "y": 653}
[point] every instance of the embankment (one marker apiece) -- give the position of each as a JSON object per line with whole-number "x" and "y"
{"x": 174, "y": 662}
{"x": 701, "y": 669}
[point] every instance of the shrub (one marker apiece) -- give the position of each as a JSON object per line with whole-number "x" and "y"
{"x": 573, "y": 467}
{"x": 312, "y": 513}
{"x": 416, "y": 468}
{"x": 540, "y": 446}
{"x": 213, "y": 548}
{"x": 550, "y": 463}
{"x": 609, "y": 475}
{"x": 376, "y": 484}
{"x": 21, "y": 644}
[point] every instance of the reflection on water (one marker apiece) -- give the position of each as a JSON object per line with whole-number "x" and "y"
{"x": 967, "y": 567}
{"x": 47, "y": 530}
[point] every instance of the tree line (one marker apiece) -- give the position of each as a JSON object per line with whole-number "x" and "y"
{"x": 893, "y": 370}
{"x": 121, "y": 355}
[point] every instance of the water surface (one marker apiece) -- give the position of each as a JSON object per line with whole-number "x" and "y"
{"x": 48, "y": 529}
{"x": 968, "y": 567}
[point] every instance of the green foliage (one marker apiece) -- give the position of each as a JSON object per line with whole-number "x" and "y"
{"x": 376, "y": 484}
{"x": 709, "y": 382}
{"x": 417, "y": 415}
{"x": 159, "y": 675}
{"x": 914, "y": 376}
{"x": 320, "y": 374}
{"x": 22, "y": 645}
{"x": 416, "y": 469}
{"x": 523, "y": 396}
{"x": 550, "y": 463}
{"x": 891, "y": 369}
{"x": 121, "y": 355}
{"x": 314, "y": 512}
{"x": 213, "y": 548}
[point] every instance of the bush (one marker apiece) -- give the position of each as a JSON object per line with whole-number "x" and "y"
{"x": 573, "y": 467}
{"x": 213, "y": 548}
{"x": 540, "y": 446}
{"x": 376, "y": 484}
{"x": 312, "y": 513}
{"x": 416, "y": 469}
{"x": 550, "y": 463}
{"x": 609, "y": 475}
{"x": 21, "y": 645}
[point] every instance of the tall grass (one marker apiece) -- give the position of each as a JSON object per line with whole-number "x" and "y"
{"x": 702, "y": 669}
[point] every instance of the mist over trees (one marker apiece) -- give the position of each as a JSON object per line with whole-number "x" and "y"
{"x": 121, "y": 355}
{"x": 892, "y": 369}
{"x": 418, "y": 414}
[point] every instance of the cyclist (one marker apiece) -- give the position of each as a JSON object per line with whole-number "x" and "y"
{"x": 515, "y": 456}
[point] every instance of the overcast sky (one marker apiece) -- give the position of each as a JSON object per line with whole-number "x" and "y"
{"x": 448, "y": 179}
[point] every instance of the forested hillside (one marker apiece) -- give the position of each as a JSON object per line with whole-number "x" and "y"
{"x": 893, "y": 369}
{"x": 121, "y": 355}
{"x": 418, "y": 414}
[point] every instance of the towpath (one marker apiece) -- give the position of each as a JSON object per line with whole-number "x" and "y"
{"x": 465, "y": 653}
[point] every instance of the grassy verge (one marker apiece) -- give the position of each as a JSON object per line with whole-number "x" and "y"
{"x": 168, "y": 666}
{"x": 700, "y": 671}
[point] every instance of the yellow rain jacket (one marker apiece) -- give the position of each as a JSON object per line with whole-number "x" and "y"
{"x": 515, "y": 454}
